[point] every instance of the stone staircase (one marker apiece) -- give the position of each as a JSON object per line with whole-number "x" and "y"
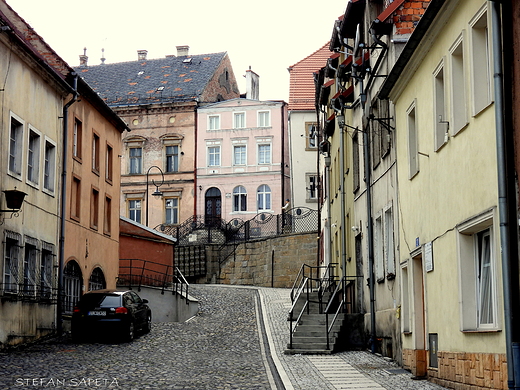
{"x": 310, "y": 335}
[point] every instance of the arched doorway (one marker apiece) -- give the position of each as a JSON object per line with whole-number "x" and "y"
{"x": 213, "y": 207}
{"x": 72, "y": 285}
{"x": 97, "y": 280}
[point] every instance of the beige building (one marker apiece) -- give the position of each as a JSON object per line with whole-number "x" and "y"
{"x": 31, "y": 104}
{"x": 158, "y": 99}
{"x": 452, "y": 304}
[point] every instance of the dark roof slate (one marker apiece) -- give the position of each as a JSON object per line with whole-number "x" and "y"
{"x": 170, "y": 79}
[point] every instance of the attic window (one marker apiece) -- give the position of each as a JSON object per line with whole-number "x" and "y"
{"x": 187, "y": 60}
{"x": 160, "y": 88}
{"x": 140, "y": 73}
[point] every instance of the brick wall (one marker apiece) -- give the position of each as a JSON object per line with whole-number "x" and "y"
{"x": 408, "y": 15}
{"x": 466, "y": 371}
{"x": 253, "y": 261}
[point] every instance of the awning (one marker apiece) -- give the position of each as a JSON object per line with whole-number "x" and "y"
{"x": 353, "y": 16}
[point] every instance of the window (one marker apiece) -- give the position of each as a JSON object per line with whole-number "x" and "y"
{"x": 239, "y": 199}
{"x": 172, "y": 211}
{"x": 214, "y": 122}
{"x": 458, "y": 91}
{"x": 413, "y": 149}
{"x": 239, "y": 155}
{"x": 72, "y": 285}
{"x": 97, "y": 280}
{"x": 264, "y": 119}
{"x": 107, "y": 222}
{"x": 263, "y": 197}
{"x": 311, "y": 136}
{"x": 95, "y": 153}
{"x": 378, "y": 250}
{"x": 109, "y": 168}
{"x": 11, "y": 262}
{"x": 312, "y": 187}
{"x": 172, "y": 158}
{"x": 75, "y": 199}
{"x": 477, "y": 272}
{"x": 33, "y": 157}
{"x": 214, "y": 156}
{"x": 355, "y": 160}
{"x": 49, "y": 168}
{"x": 239, "y": 120}
{"x": 46, "y": 267}
{"x": 389, "y": 244}
{"x": 15, "y": 147}
{"x": 77, "y": 138}
{"x": 94, "y": 209}
{"x": 264, "y": 154}
{"x": 136, "y": 160}
{"x": 440, "y": 117}
{"x": 480, "y": 58}
{"x": 29, "y": 268}
{"x": 134, "y": 210}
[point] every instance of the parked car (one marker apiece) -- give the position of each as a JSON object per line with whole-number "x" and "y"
{"x": 111, "y": 312}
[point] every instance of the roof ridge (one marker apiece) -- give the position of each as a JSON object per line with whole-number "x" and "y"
{"x": 312, "y": 54}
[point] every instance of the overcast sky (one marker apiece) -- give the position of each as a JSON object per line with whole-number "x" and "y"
{"x": 269, "y": 36}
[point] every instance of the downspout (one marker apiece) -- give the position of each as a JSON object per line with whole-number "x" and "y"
{"x": 195, "y": 162}
{"x": 282, "y": 202}
{"x": 291, "y": 171}
{"x": 63, "y": 208}
{"x": 512, "y": 348}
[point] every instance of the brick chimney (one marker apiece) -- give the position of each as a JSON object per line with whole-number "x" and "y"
{"x": 183, "y": 50}
{"x": 83, "y": 59}
{"x": 252, "y": 85}
{"x": 141, "y": 55}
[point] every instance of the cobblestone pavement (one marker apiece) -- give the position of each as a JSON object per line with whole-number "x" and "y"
{"x": 223, "y": 347}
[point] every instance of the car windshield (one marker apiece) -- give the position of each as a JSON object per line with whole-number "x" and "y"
{"x": 101, "y": 300}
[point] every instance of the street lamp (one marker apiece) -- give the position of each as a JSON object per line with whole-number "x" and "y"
{"x": 157, "y": 192}
{"x": 13, "y": 200}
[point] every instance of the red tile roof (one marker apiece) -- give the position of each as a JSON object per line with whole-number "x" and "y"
{"x": 301, "y": 84}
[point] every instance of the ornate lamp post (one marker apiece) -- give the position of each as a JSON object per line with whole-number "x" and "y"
{"x": 157, "y": 192}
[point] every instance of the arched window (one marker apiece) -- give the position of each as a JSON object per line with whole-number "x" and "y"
{"x": 239, "y": 199}
{"x": 97, "y": 280}
{"x": 263, "y": 197}
{"x": 72, "y": 283}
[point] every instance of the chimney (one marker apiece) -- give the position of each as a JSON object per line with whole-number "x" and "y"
{"x": 141, "y": 55}
{"x": 252, "y": 85}
{"x": 182, "y": 50}
{"x": 83, "y": 59}
{"x": 103, "y": 59}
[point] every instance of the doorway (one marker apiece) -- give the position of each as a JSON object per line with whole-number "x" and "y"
{"x": 419, "y": 318}
{"x": 213, "y": 207}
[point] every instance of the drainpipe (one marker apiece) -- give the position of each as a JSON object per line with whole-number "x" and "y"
{"x": 283, "y": 155}
{"x": 195, "y": 162}
{"x": 63, "y": 206}
{"x": 512, "y": 348}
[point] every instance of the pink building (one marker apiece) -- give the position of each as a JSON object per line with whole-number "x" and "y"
{"x": 242, "y": 159}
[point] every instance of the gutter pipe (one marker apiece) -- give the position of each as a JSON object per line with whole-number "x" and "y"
{"x": 512, "y": 348}
{"x": 61, "y": 250}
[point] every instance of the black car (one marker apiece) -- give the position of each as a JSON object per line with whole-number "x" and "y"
{"x": 111, "y": 312}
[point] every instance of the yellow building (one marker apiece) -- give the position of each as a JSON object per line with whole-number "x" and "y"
{"x": 452, "y": 307}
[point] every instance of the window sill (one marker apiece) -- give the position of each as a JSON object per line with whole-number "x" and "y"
{"x": 493, "y": 330}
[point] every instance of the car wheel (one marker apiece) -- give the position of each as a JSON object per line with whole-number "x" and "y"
{"x": 148, "y": 325}
{"x": 130, "y": 332}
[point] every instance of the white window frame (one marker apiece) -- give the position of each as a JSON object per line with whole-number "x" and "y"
{"x": 469, "y": 287}
{"x": 263, "y": 198}
{"x": 310, "y": 180}
{"x": 11, "y": 254}
{"x": 49, "y": 166}
{"x": 214, "y": 122}
{"x": 459, "y": 104}
{"x": 137, "y": 210}
{"x": 239, "y": 199}
{"x": 171, "y": 206}
{"x": 413, "y": 140}
{"x": 214, "y": 153}
{"x": 389, "y": 242}
{"x": 264, "y": 118}
{"x": 262, "y": 158}
{"x": 440, "y": 118}
{"x": 481, "y": 67}
{"x": 243, "y": 155}
{"x": 15, "y": 155}
{"x": 175, "y": 158}
{"x": 33, "y": 156}
{"x": 135, "y": 163}
{"x": 239, "y": 120}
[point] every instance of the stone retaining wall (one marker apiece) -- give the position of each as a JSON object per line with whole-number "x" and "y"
{"x": 271, "y": 262}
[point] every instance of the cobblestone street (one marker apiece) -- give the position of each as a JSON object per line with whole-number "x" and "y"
{"x": 221, "y": 348}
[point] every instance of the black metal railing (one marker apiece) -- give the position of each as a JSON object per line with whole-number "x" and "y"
{"x": 38, "y": 293}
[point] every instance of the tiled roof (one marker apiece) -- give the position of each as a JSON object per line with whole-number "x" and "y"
{"x": 301, "y": 85}
{"x": 170, "y": 79}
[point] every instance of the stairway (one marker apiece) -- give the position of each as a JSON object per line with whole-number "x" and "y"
{"x": 310, "y": 335}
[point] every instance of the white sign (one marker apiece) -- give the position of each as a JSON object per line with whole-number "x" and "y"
{"x": 428, "y": 257}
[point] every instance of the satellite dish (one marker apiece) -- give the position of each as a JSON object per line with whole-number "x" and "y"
{"x": 357, "y": 39}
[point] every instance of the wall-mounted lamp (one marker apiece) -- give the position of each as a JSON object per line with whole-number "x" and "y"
{"x": 13, "y": 200}
{"x": 341, "y": 120}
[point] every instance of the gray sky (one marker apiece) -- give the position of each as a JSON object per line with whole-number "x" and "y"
{"x": 269, "y": 36}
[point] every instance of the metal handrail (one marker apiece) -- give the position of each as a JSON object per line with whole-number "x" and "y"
{"x": 331, "y": 300}
{"x": 181, "y": 280}
{"x": 291, "y": 312}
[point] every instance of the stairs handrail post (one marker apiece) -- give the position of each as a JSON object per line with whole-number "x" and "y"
{"x": 327, "y": 329}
